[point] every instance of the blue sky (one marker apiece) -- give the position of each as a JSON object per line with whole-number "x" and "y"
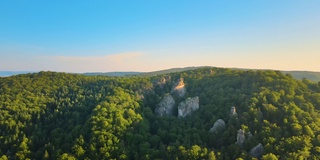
{"x": 102, "y": 36}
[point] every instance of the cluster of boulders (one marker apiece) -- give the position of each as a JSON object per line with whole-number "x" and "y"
{"x": 166, "y": 106}
{"x": 241, "y": 137}
{"x": 191, "y": 104}
{"x": 163, "y": 81}
{"x": 219, "y": 126}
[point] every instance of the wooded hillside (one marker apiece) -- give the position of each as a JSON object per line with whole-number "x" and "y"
{"x": 50, "y": 115}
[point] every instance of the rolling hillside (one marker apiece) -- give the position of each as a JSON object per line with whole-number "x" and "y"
{"x": 227, "y": 114}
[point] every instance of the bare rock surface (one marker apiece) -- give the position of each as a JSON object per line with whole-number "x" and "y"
{"x": 166, "y": 106}
{"x": 162, "y": 81}
{"x": 257, "y": 151}
{"x": 233, "y": 111}
{"x": 188, "y": 106}
{"x": 179, "y": 88}
{"x": 218, "y": 126}
{"x": 240, "y": 137}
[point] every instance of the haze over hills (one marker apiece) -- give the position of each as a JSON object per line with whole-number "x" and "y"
{"x": 11, "y": 73}
{"x": 117, "y": 74}
{"x": 299, "y": 75}
{"x": 314, "y": 76}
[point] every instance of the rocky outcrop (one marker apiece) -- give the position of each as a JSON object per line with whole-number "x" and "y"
{"x": 240, "y": 137}
{"x": 188, "y": 106}
{"x": 162, "y": 81}
{"x": 218, "y": 126}
{"x": 233, "y": 111}
{"x": 165, "y": 107}
{"x": 257, "y": 151}
{"x": 179, "y": 88}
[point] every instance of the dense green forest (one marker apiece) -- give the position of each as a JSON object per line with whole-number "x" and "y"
{"x": 50, "y": 115}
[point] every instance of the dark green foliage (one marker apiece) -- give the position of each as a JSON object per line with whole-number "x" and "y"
{"x": 51, "y": 115}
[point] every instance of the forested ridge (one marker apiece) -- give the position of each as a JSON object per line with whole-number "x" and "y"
{"x": 50, "y": 115}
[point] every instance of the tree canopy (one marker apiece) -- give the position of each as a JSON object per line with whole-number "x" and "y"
{"x": 49, "y": 115}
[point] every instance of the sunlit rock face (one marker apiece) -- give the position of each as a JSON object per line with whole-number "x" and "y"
{"x": 188, "y": 106}
{"x": 218, "y": 126}
{"x": 166, "y": 106}
{"x": 179, "y": 88}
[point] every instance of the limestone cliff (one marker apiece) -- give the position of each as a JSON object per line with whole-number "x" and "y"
{"x": 165, "y": 107}
{"x": 188, "y": 106}
{"x": 240, "y": 137}
{"x": 218, "y": 126}
{"x": 233, "y": 111}
{"x": 162, "y": 81}
{"x": 179, "y": 88}
{"x": 257, "y": 151}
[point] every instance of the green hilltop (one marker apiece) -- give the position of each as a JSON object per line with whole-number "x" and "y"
{"x": 299, "y": 75}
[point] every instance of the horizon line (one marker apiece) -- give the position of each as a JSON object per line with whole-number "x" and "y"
{"x": 26, "y": 71}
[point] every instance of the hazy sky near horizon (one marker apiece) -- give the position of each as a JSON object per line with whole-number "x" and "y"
{"x": 103, "y": 36}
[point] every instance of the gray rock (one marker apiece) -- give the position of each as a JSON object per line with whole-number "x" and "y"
{"x": 188, "y": 106}
{"x": 218, "y": 126}
{"x": 257, "y": 151}
{"x": 240, "y": 137}
{"x": 165, "y": 107}
{"x": 233, "y": 111}
{"x": 249, "y": 135}
{"x": 162, "y": 81}
{"x": 179, "y": 88}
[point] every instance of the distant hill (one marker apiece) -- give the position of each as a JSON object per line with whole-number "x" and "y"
{"x": 166, "y": 71}
{"x": 116, "y": 74}
{"x": 153, "y": 73}
{"x": 313, "y": 76}
{"x": 299, "y": 75}
{"x": 11, "y": 73}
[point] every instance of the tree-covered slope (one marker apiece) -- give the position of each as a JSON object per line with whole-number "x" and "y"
{"x": 51, "y": 115}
